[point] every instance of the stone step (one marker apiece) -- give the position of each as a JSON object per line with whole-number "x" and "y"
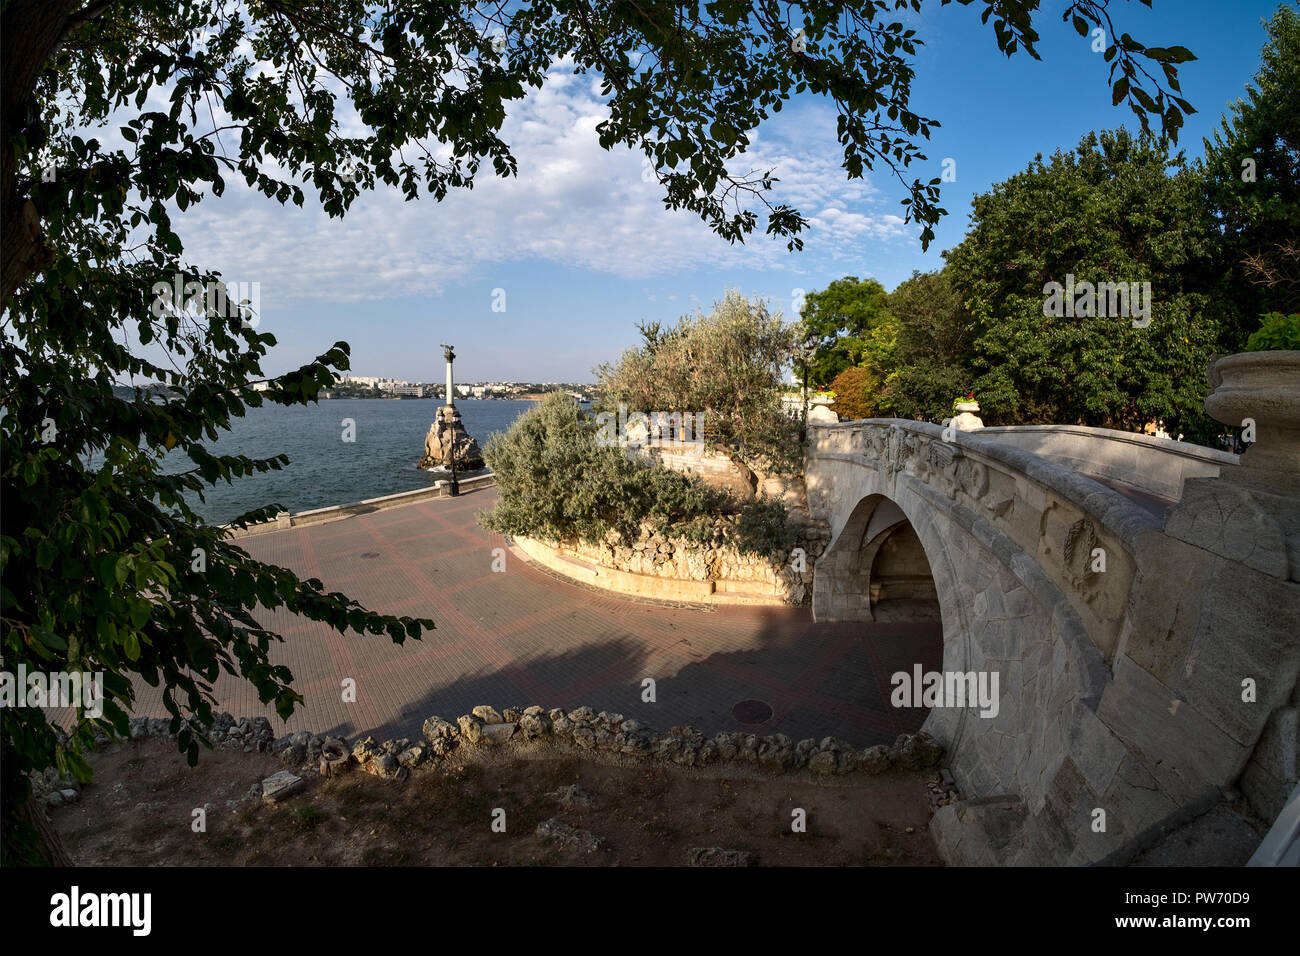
{"x": 740, "y": 587}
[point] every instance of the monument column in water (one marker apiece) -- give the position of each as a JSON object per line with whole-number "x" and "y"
{"x": 448, "y": 445}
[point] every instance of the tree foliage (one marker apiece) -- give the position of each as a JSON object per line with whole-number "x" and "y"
{"x": 843, "y": 323}
{"x": 727, "y": 368}
{"x": 1277, "y": 331}
{"x": 854, "y": 391}
{"x": 1252, "y": 170}
{"x": 559, "y": 482}
{"x": 1116, "y": 209}
{"x": 927, "y": 366}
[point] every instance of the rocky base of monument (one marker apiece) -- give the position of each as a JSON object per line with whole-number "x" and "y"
{"x": 447, "y": 437}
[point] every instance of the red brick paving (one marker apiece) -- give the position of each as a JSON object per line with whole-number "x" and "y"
{"x": 526, "y": 636}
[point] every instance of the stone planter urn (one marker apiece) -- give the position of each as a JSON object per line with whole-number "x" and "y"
{"x": 819, "y": 411}
{"x": 966, "y": 420}
{"x": 1263, "y": 389}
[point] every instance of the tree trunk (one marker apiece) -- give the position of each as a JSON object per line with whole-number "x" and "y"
{"x": 52, "y": 849}
{"x": 746, "y": 472}
{"x": 30, "y": 32}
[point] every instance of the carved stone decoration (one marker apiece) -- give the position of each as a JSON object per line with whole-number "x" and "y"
{"x": 900, "y": 447}
{"x": 875, "y": 443}
{"x": 972, "y": 476}
{"x": 1080, "y": 541}
{"x": 951, "y": 465}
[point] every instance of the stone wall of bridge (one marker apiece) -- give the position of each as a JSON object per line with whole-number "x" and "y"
{"x": 1120, "y": 663}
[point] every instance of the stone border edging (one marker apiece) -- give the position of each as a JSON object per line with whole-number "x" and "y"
{"x": 365, "y": 506}
{"x": 616, "y": 581}
{"x": 583, "y": 729}
{"x": 577, "y": 731}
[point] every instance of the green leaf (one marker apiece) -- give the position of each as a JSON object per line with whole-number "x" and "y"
{"x": 140, "y": 612}
{"x": 1119, "y": 90}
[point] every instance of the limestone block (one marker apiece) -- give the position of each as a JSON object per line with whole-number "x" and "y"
{"x": 1226, "y": 519}
{"x": 1096, "y": 751}
{"x": 1274, "y": 768}
{"x": 1247, "y": 629}
{"x": 435, "y": 728}
{"x": 1135, "y": 801}
{"x": 497, "y": 733}
{"x": 281, "y": 785}
{"x": 1184, "y": 750}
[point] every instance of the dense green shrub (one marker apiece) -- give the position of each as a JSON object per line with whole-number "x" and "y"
{"x": 1278, "y": 331}
{"x": 557, "y": 482}
{"x": 763, "y": 528}
{"x": 852, "y": 388}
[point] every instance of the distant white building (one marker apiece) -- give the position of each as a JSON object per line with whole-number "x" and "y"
{"x": 462, "y": 391}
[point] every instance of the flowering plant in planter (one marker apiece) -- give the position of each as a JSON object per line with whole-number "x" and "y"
{"x": 967, "y": 399}
{"x": 1277, "y": 332}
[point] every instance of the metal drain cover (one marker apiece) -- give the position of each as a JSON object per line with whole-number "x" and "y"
{"x": 752, "y": 712}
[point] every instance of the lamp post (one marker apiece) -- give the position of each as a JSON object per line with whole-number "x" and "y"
{"x": 805, "y": 347}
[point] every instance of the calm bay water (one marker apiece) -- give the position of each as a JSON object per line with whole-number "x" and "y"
{"x": 323, "y": 469}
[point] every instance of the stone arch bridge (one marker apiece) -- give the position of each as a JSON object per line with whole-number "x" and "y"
{"x": 1138, "y": 599}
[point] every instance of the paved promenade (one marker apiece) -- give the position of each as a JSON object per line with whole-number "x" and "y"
{"x": 525, "y": 636}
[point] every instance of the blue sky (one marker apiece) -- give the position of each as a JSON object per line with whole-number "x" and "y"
{"x": 582, "y": 249}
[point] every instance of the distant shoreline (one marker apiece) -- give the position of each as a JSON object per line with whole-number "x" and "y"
{"x": 530, "y": 397}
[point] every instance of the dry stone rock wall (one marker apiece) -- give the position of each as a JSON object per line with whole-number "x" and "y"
{"x": 656, "y": 554}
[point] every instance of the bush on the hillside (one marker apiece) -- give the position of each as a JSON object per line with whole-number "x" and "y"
{"x": 1277, "y": 331}
{"x": 558, "y": 483}
{"x": 763, "y": 528}
{"x": 853, "y": 389}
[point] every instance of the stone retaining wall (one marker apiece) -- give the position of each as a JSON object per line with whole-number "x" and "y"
{"x": 673, "y": 568}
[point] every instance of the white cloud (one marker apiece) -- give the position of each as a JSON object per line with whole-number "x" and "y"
{"x": 572, "y": 203}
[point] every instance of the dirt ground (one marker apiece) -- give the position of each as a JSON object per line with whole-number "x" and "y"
{"x": 140, "y": 811}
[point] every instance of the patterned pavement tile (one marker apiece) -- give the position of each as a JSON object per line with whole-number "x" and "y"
{"x": 528, "y": 636}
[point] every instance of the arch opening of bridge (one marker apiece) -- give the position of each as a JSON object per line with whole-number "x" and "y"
{"x": 879, "y": 570}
